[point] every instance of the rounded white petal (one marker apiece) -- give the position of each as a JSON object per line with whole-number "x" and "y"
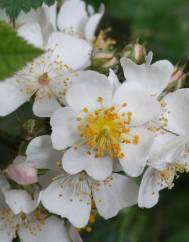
{"x": 72, "y": 16}
{"x": 10, "y": 97}
{"x": 114, "y": 194}
{"x": 63, "y": 198}
{"x": 45, "y": 106}
{"x": 87, "y": 87}
{"x": 72, "y": 51}
{"x": 153, "y": 78}
{"x": 166, "y": 148}
{"x": 177, "y": 114}
{"x": 149, "y": 189}
{"x": 136, "y": 155}
{"x": 20, "y": 201}
{"x": 78, "y": 160}
{"x": 31, "y": 32}
{"x": 53, "y": 229}
{"x": 93, "y": 23}
{"x": 41, "y": 155}
{"x": 63, "y": 123}
{"x": 140, "y": 103}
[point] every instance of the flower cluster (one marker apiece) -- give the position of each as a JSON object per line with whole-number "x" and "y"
{"x": 102, "y": 131}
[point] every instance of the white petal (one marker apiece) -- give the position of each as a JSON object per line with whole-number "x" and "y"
{"x": 41, "y": 154}
{"x": 74, "y": 234}
{"x": 114, "y": 195}
{"x": 45, "y": 106}
{"x": 78, "y": 160}
{"x": 178, "y": 115}
{"x": 149, "y": 58}
{"x": 153, "y": 78}
{"x": 6, "y": 233}
{"x": 53, "y": 229}
{"x": 71, "y": 50}
{"x": 114, "y": 81}
{"x": 136, "y": 155}
{"x": 20, "y": 201}
{"x": 72, "y": 16}
{"x": 31, "y": 32}
{"x": 50, "y": 15}
{"x": 143, "y": 106}
{"x": 149, "y": 189}
{"x": 63, "y": 199}
{"x": 166, "y": 148}
{"x": 93, "y": 23}
{"x": 63, "y": 123}
{"x": 10, "y": 97}
{"x": 89, "y": 85}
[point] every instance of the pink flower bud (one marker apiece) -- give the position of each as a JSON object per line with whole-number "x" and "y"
{"x": 22, "y": 174}
{"x": 177, "y": 74}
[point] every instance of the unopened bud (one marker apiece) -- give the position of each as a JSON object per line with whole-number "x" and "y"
{"x": 22, "y": 174}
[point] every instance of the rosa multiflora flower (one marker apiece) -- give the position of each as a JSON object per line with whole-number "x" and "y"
{"x": 104, "y": 121}
{"x": 20, "y": 216}
{"x": 47, "y": 77}
{"x": 67, "y": 195}
{"x": 169, "y": 157}
{"x": 71, "y": 196}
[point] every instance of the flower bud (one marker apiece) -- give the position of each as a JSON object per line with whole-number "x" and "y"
{"x": 139, "y": 53}
{"x": 22, "y": 174}
{"x": 177, "y": 74}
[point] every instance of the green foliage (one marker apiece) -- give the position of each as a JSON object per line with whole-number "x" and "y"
{"x": 14, "y": 51}
{"x": 14, "y": 7}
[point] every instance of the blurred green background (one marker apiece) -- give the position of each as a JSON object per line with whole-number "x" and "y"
{"x": 163, "y": 26}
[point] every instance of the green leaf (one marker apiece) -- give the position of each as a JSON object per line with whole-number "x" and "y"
{"x": 15, "y": 52}
{"x": 14, "y": 7}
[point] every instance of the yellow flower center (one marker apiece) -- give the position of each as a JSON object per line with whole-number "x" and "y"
{"x": 105, "y": 129}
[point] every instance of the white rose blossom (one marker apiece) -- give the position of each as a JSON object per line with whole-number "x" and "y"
{"x": 20, "y": 216}
{"x": 104, "y": 121}
{"x": 39, "y": 25}
{"x": 169, "y": 156}
{"x": 47, "y": 77}
{"x": 169, "y": 152}
{"x": 71, "y": 196}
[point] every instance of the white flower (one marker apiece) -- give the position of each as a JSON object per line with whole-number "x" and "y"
{"x": 155, "y": 78}
{"x": 20, "y": 216}
{"x": 169, "y": 156}
{"x": 74, "y": 18}
{"x": 71, "y": 196}
{"x": 48, "y": 77}
{"x": 85, "y": 20}
{"x": 103, "y": 123}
